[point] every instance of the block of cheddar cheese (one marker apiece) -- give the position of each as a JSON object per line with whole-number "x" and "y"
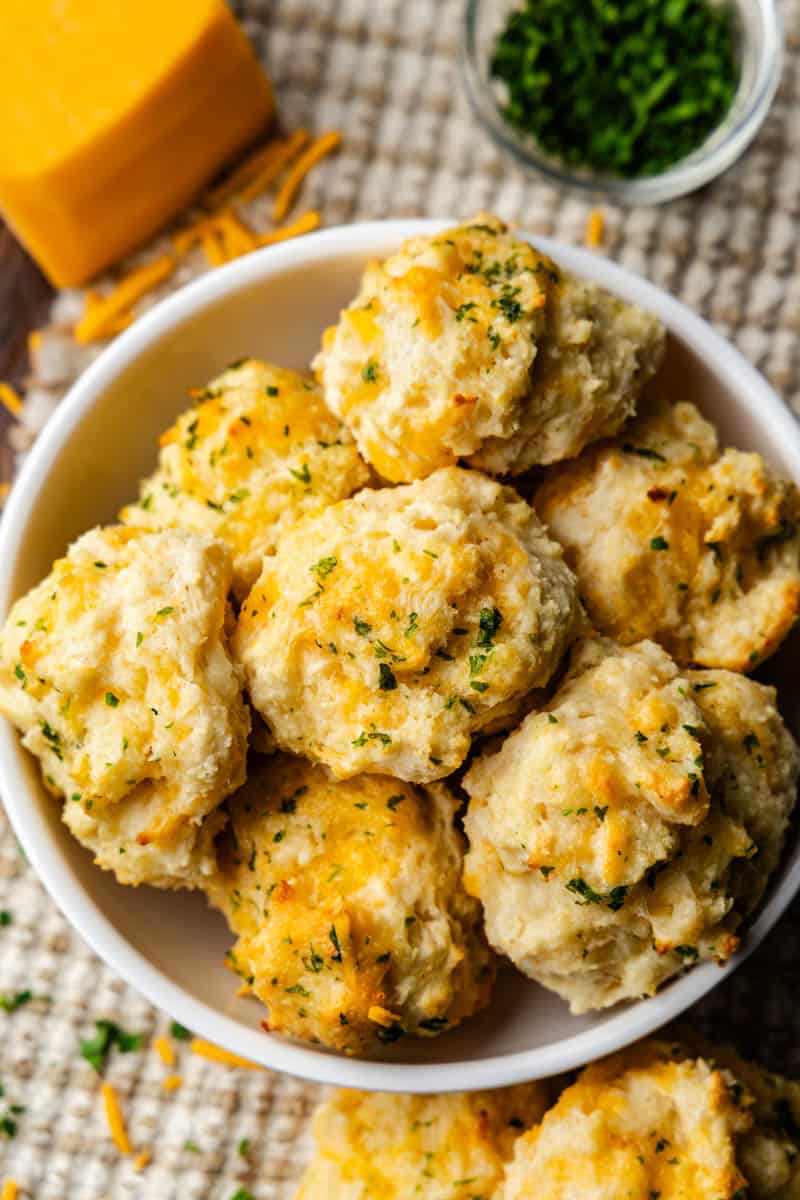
{"x": 113, "y": 116}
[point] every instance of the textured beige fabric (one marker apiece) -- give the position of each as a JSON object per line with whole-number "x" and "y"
{"x": 386, "y": 74}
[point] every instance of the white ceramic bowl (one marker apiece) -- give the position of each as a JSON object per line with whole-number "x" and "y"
{"x": 88, "y": 461}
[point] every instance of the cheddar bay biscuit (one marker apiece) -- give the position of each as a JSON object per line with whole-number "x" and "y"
{"x": 650, "y": 1122}
{"x": 257, "y": 451}
{"x": 390, "y": 627}
{"x": 673, "y": 539}
{"x": 353, "y": 926}
{"x": 371, "y": 1145}
{"x": 620, "y": 834}
{"x": 117, "y": 672}
{"x": 471, "y": 344}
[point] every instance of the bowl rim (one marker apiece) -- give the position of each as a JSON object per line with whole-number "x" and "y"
{"x": 42, "y": 845}
{"x": 703, "y": 165}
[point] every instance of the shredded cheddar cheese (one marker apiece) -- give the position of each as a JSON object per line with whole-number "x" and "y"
{"x": 284, "y": 153}
{"x": 304, "y": 224}
{"x": 217, "y": 1054}
{"x": 165, "y": 1050}
{"x": 9, "y": 1190}
{"x": 212, "y": 248}
{"x": 10, "y": 399}
{"x": 116, "y": 1123}
{"x": 100, "y": 314}
{"x": 324, "y": 145}
{"x": 237, "y": 237}
{"x": 595, "y": 227}
{"x": 250, "y": 169}
{"x": 185, "y": 239}
{"x": 171, "y": 1083}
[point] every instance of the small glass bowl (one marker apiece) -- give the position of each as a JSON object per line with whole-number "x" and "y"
{"x": 761, "y": 40}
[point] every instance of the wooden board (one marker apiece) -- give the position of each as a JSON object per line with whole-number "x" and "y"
{"x": 24, "y": 298}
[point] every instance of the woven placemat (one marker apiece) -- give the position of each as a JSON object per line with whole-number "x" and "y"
{"x": 386, "y": 75}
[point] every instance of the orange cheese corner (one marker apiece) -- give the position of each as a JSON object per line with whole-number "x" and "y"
{"x": 113, "y": 117}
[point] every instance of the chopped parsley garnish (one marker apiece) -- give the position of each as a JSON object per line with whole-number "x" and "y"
{"x": 334, "y": 939}
{"x": 494, "y": 337}
{"x": 547, "y": 871}
{"x": 374, "y": 735}
{"x": 6, "y": 918}
{"x": 477, "y": 662}
{"x": 11, "y": 1001}
{"x": 412, "y": 626}
{"x": 20, "y": 674}
{"x": 8, "y": 1126}
{"x": 613, "y": 899}
{"x": 315, "y": 962}
{"x": 600, "y": 812}
{"x": 393, "y": 802}
{"x": 272, "y": 390}
{"x": 687, "y": 951}
{"x": 369, "y": 372}
{"x": 165, "y": 612}
{"x": 53, "y": 738}
{"x": 625, "y": 89}
{"x": 362, "y": 628}
{"x": 111, "y": 700}
{"x": 489, "y": 622}
{"x": 304, "y": 474}
{"x": 464, "y": 310}
{"x": 659, "y": 543}
{"x": 97, "y": 1049}
{"x": 179, "y": 1032}
{"x": 386, "y": 678}
{"x": 644, "y": 452}
{"x": 325, "y": 566}
{"x": 509, "y": 306}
